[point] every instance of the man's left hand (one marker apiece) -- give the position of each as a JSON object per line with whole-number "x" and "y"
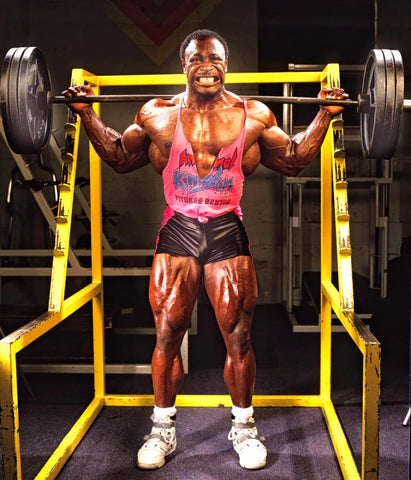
{"x": 333, "y": 94}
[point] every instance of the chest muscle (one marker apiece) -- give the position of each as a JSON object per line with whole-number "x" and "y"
{"x": 207, "y": 133}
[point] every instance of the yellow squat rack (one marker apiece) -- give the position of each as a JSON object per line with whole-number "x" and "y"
{"x": 333, "y": 192}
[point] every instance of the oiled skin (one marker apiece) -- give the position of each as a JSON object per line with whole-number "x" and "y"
{"x": 212, "y": 118}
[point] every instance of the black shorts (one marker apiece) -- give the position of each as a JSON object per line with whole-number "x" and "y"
{"x": 219, "y": 239}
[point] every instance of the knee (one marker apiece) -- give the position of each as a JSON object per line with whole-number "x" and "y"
{"x": 169, "y": 335}
{"x": 167, "y": 345}
{"x": 239, "y": 343}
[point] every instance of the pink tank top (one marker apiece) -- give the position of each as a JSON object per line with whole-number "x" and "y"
{"x": 217, "y": 193}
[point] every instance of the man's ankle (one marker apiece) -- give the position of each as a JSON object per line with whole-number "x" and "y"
{"x": 161, "y": 414}
{"x": 242, "y": 415}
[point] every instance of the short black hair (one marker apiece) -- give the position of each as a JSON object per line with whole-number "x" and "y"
{"x": 202, "y": 35}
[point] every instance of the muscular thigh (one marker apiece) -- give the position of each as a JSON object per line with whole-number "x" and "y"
{"x": 174, "y": 285}
{"x": 232, "y": 289}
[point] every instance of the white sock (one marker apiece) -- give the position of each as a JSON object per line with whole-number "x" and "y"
{"x": 242, "y": 414}
{"x": 164, "y": 413}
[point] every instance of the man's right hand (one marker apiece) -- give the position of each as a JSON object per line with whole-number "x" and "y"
{"x": 79, "y": 91}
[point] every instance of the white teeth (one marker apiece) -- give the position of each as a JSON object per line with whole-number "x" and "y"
{"x": 206, "y": 79}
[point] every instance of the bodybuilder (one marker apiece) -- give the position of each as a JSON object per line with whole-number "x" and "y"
{"x": 204, "y": 142}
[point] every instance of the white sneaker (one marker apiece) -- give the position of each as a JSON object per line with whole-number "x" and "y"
{"x": 248, "y": 445}
{"x": 160, "y": 443}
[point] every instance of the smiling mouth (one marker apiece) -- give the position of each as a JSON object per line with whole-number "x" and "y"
{"x": 207, "y": 80}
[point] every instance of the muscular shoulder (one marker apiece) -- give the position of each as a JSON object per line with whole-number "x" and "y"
{"x": 156, "y": 107}
{"x": 260, "y": 112}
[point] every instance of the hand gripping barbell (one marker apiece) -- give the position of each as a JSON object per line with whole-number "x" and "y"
{"x": 25, "y": 99}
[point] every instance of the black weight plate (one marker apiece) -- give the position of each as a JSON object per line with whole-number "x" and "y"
{"x": 373, "y": 86}
{"x": 16, "y": 136}
{"x": 28, "y": 115}
{"x": 383, "y": 82}
{"x": 34, "y": 91}
{"x": 399, "y": 101}
{"x": 7, "y": 86}
{"x": 386, "y": 133}
{"x": 381, "y": 145}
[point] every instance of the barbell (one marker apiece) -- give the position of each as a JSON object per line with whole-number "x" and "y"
{"x": 26, "y": 101}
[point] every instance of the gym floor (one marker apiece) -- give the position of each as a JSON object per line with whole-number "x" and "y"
{"x": 297, "y": 439}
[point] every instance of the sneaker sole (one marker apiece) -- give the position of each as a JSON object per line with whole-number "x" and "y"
{"x": 153, "y": 466}
{"x": 253, "y": 467}
{"x": 150, "y": 466}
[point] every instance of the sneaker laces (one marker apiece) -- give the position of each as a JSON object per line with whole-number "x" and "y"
{"x": 162, "y": 430}
{"x": 243, "y": 431}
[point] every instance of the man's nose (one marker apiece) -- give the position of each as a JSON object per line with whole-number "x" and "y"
{"x": 206, "y": 65}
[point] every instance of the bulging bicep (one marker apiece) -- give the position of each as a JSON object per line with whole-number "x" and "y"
{"x": 135, "y": 139}
{"x": 274, "y": 138}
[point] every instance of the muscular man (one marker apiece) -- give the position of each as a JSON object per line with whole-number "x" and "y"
{"x": 204, "y": 142}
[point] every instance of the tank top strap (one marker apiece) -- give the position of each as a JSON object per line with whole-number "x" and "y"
{"x": 180, "y": 106}
{"x": 245, "y": 114}
{"x": 179, "y": 132}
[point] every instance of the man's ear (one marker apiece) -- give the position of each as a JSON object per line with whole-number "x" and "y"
{"x": 183, "y": 63}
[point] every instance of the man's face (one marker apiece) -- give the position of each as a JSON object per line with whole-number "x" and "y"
{"x": 205, "y": 65}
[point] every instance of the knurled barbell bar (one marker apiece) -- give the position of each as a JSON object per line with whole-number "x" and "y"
{"x": 26, "y": 101}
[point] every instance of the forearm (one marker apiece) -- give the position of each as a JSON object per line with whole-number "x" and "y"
{"x": 305, "y": 145}
{"x": 288, "y": 155}
{"x": 108, "y": 144}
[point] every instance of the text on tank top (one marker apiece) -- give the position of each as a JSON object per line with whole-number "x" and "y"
{"x": 219, "y": 192}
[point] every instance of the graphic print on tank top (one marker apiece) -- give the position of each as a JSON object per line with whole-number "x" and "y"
{"x": 218, "y": 192}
